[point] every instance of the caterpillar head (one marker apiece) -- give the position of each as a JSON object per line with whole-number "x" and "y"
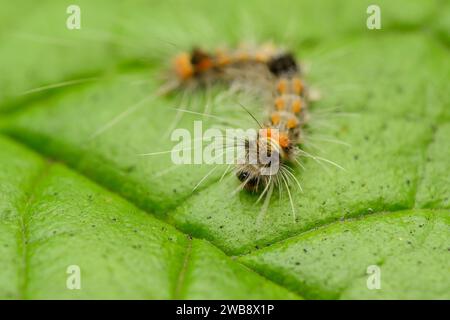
{"x": 263, "y": 158}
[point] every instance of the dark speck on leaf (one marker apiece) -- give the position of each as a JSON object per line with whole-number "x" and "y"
{"x": 304, "y": 250}
{"x": 208, "y": 217}
{"x": 221, "y": 227}
{"x": 356, "y": 157}
{"x": 408, "y": 182}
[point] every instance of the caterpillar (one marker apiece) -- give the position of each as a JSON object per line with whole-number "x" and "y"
{"x": 276, "y": 75}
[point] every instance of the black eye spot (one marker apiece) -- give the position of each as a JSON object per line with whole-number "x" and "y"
{"x": 243, "y": 175}
{"x": 283, "y": 64}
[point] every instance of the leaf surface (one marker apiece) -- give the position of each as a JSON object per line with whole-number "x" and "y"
{"x": 78, "y": 113}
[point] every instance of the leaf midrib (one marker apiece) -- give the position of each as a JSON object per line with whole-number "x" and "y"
{"x": 23, "y": 227}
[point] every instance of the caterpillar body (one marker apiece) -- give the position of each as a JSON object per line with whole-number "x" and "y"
{"x": 277, "y": 78}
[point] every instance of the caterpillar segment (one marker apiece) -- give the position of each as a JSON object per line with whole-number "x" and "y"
{"x": 199, "y": 65}
{"x": 283, "y": 127}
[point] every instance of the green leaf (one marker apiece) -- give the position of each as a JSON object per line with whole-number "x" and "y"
{"x": 86, "y": 195}
{"x": 53, "y": 218}
{"x": 410, "y": 248}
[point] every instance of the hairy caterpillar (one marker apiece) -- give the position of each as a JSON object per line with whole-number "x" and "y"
{"x": 276, "y": 75}
{"x": 273, "y": 75}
